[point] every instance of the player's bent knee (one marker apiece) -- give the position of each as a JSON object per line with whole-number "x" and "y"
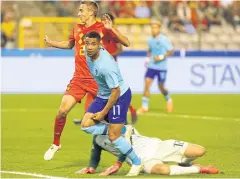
{"x": 147, "y": 87}
{"x": 62, "y": 112}
{"x": 114, "y": 131}
{"x": 113, "y": 137}
{"x": 200, "y": 151}
{"x": 88, "y": 130}
{"x": 195, "y": 150}
{"x": 162, "y": 89}
{"x": 161, "y": 169}
{"x": 87, "y": 121}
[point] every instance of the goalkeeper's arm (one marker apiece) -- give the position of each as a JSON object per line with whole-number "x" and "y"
{"x": 95, "y": 154}
{"x": 94, "y": 160}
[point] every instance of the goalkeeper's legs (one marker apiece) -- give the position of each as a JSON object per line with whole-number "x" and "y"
{"x": 192, "y": 152}
{"x": 164, "y": 169}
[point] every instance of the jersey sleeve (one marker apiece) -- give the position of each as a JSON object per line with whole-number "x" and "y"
{"x": 111, "y": 77}
{"x": 114, "y": 37}
{"x": 168, "y": 44}
{"x": 111, "y": 36}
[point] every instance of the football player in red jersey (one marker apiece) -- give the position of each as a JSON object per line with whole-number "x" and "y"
{"x": 82, "y": 82}
{"x": 115, "y": 49}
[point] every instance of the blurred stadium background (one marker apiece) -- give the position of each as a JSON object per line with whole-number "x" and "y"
{"x": 193, "y": 25}
{"x": 206, "y": 38}
{"x": 205, "y": 29}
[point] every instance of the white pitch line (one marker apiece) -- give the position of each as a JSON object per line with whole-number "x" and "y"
{"x": 53, "y": 177}
{"x": 32, "y": 174}
{"x": 185, "y": 116}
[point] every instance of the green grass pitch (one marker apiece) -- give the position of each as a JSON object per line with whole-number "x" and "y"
{"x": 27, "y": 131}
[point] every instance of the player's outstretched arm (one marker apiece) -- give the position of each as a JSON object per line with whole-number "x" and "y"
{"x": 118, "y": 51}
{"x": 108, "y": 24}
{"x": 121, "y": 38}
{"x": 95, "y": 154}
{"x": 94, "y": 160}
{"x": 169, "y": 53}
{"x": 163, "y": 56}
{"x": 115, "y": 93}
{"x": 59, "y": 44}
{"x": 114, "y": 168}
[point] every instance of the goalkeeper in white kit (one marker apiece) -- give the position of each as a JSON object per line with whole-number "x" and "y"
{"x": 155, "y": 155}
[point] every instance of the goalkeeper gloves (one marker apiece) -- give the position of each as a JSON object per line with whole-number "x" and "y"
{"x": 111, "y": 170}
{"x": 88, "y": 170}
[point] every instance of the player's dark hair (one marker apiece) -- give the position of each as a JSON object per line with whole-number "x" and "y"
{"x": 93, "y": 34}
{"x": 110, "y": 15}
{"x": 91, "y": 3}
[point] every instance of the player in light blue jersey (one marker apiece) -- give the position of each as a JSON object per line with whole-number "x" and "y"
{"x": 112, "y": 101}
{"x": 160, "y": 48}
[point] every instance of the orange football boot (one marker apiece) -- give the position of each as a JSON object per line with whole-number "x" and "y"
{"x": 209, "y": 170}
{"x": 169, "y": 106}
{"x": 142, "y": 110}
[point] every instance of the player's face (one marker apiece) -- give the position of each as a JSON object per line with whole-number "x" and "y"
{"x": 84, "y": 12}
{"x": 92, "y": 46}
{"x": 155, "y": 29}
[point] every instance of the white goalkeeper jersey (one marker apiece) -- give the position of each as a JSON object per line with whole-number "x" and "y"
{"x": 144, "y": 147}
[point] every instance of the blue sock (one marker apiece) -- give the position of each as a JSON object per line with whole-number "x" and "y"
{"x": 167, "y": 97}
{"x": 125, "y": 148}
{"x": 98, "y": 129}
{"x": 124, "y": 129}
{"x": 145, "y": 101}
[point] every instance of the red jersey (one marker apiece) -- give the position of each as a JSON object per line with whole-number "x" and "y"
{"x": 79, "y": 31}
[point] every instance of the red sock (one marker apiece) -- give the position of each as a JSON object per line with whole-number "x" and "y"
{"x": 58, "y": 128}
{"x": 88, "y": 102}
{"x": 131, "y": 108}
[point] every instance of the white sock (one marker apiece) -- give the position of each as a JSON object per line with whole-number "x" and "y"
{"x": 177, "y": 170}
{"x": 145, "y": 102}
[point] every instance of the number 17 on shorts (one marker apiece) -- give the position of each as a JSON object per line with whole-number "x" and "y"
{"x": 118, "y": 113}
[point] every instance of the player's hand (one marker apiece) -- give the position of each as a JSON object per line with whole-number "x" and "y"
{"x": 159, "y": 57}
{"x": 111, "y": 170}
{"x": 98, "y": 116}
{"x": 108, "y": 24}
{"x": 46, "y": 39}
{"x": 86, "y": 171}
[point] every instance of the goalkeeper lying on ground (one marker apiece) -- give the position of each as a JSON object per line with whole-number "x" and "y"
{"x": 155, "y": 155}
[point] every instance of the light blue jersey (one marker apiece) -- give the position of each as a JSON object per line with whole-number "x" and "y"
{"x": 159, "y": 46}
{"x": 106, "y": 73}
